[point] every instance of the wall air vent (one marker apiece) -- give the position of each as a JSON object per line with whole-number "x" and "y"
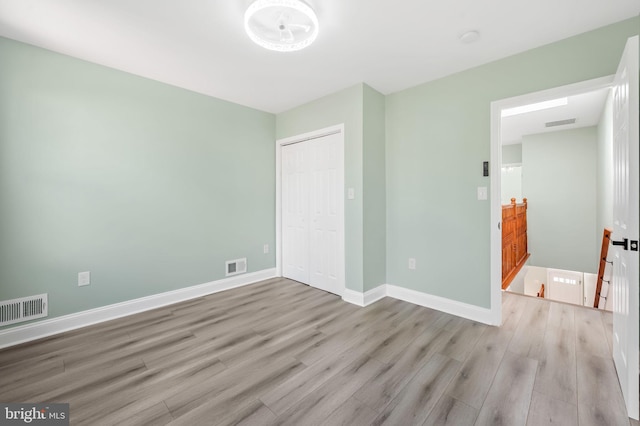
{"x": 238, "y": 266}
{"x": 23, "y": 309}
{"x": 560, "y": 122}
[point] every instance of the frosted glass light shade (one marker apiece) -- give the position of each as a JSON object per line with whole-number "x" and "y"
{"x": 281, "y": 25}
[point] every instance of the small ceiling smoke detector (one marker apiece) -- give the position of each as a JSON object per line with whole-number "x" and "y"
{"x": 281, "y": 25}
{"x": 470, "y": 37}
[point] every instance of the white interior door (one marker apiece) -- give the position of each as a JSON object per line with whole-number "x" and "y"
{"x": 324, "y": 213}
{"x": 313, "y": 212}
{"x": 295, "y": 212}
{"x": 625, "y": 225}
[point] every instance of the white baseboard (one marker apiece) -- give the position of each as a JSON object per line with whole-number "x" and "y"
{"x": 449, "y": 306}
{"x": 40, "y": 329}
{"x": 375, "y": 294}
{"x": 364, "y": 299}
{"x": 353, "y": 297}
{"x": 460, "y": 309}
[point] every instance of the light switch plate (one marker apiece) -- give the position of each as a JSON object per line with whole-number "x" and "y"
{"x": 412, "y": 263}
{"x": 351, "y": 193}
{"x": 482, "y": 193}
{"x": 84, "y": 278}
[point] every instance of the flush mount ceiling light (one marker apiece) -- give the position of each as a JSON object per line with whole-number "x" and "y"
{"x": 281, "y": 25}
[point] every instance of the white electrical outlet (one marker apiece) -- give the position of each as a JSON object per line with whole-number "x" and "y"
{"x": 412, "y": 263}
{"x": 265, "y": 249}
{"x": 84, "y": 278}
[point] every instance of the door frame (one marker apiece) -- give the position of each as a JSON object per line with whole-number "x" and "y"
{"x": 495, "y": 173}
{"x": 315, "y": 134}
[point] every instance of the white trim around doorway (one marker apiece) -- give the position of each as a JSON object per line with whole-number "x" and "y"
{"x": 495, "y": 172}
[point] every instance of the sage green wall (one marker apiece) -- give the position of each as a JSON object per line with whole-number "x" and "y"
{"x": 362, "y": 110}
{"x": 438, "y": 135}
{"x": 152, "y": 187}
{"x": 345, "y": 107}
{"x": 559, "y": 183}
{"x": 148, "y": 186}
{"x": 604, "y": 174}
{"x": 512, "y": 154}
{"x": 374, "y": 199}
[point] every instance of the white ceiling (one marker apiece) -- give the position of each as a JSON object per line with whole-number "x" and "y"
{"x": 391, "y": 45}
{"x": 586, "y": 108}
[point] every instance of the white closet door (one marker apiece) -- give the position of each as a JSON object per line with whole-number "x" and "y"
{"x": 295, "y": 212}
{"x": 312, "y": 213}
{"x": 324, "y": 213}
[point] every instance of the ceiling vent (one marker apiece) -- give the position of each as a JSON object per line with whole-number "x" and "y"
{"x": 560, "y": 122}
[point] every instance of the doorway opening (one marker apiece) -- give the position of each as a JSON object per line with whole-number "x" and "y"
{"x": 532, "y": 117}
{"x": 557, "y": 164}
{"x": 625, "y": 217}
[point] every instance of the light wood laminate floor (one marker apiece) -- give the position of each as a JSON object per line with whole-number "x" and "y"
{"x": 280, "y": 352}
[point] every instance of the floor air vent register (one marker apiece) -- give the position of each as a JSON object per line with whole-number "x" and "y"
{"x": 23, "y": 309}
{"x": 234, "y": 267}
